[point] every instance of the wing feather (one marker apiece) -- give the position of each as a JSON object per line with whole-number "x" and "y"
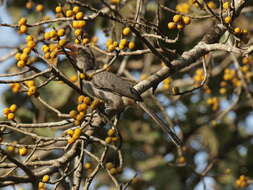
{"x": 111, "y": 82}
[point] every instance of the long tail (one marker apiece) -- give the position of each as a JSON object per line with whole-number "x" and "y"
{"x": 174, "y": 138}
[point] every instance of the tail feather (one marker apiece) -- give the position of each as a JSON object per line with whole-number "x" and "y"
{"x": 174, "y": 138}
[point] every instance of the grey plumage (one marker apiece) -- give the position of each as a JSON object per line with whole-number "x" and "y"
{"x": 114, "y": 91}
{"x": 110, "y": 82}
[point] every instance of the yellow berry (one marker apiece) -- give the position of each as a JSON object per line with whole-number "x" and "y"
{"x": 75, "y": 24}
{"x": 115, "y": 139}
{"x": 87, "y": 100}
{"x": 245, "y": 60}
{"x": 109, "y": 42}
{"x": 126, "y": 31}
{"x": 58, "y": 9}
{"x": 29, "y": 38}
{"x": 46, "y": 35}
{"x": 115, "y": 44}
{"x": 228, "y": 19}
{"x": 76, "y": 9}
{"x": 81, "y": 107}
{"x": 13, "y": 108}
{"x": 29, "y": 5}
{"x": 123, "y": 41}
{"x": 52, "y": 47}
{"x": 82, "y": 76}
{"x": 111, "y": 132}
{"x": 17, "y": 56}
{"x": 23, "y": 29}
{"x": 11, "y": 116}
{"x": 80, "y": 99}
{"x": 77, "y": 41}
{"x": 113, "y": 171}
{"x": 225, "y": 5}
{"x": 62, "y": 42}
{"x": 77, "y": 122}
{"x": 111, "y": 48}
{"x": 61, "y": 32}
{"x": 73, "y": 78}
{"x": 131, "y": 45}
{"x": 22, "y": 151}
{"x": 47, "y": 55}
{"x": 79, "y": 15}
{"x": 71, "y": 140}
{"x": 223, "y": 83}
{"x": 22, "y": 21}
{"x": 23, "y": 57}
{"x": 77, "y": 133}
{"x": 41, "y": 185}
{"x": 45, "y": 48}
{"x": 245, "y": 68}
{"x": 121, "y": 46}
{"x": 10, "y": 148}
{"x": 53, "y": 54}
{"x": 29, "y": 93}
{"x": 222, "y": 90}
{"x": 109, "y": 165}
{"x": 177, "y": 18}
{"x": 180, "y": 26}
{"x": 186, "y": 20}
{"x": 80, "y": 116}
{"x": 69, "y": 13}
{"x": 39, "y": 8}
{"x": 45, "y": 178}
{"x": 245, "y": 31}
{"x": 181, "y": 160}
{"x": 20, "y": 64}
{"x": 108, "y": 140}
{"x": 81, "y": 23}
{"x": 15, "y": 87}
{"x": 115, "y": 1}
{"x": 27, "y": 50}
{"x": 183, "y": 7}
{"x": 70, "y": 132}
{"x": 94, "y": 39}
{"x": 211, "y": 5}
{"x": 31, "y": 44}
{"x": 85, "y": 41}
{"x": 6, "y": 111}
{"x": 30, "y": 83}
{"x": 172, "y": 25}
{"x": 87, "y": 165}
{"x": 78, "y": 32}
{"x": 95, "y": 103}
{"x": 72, "y": 113}
{"x": 32, "y": 90}
{"x": 52, "y": 33}
{"x": 237, "y": 30}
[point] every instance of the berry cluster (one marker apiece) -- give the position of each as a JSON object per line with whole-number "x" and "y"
{"x": 214, "y": 102}
{"x": 74, "y": 135}
{"x": 179, "y": 22}
{"x": 112, "y": 45}
{"x": 243, "y": 181}
{"x": 111, "y": 136}
{"x": 112, "y": 168}
{"x": 23, "y": 57}
{"x": 32, "y": 89}
{"x": 9, "y": 112}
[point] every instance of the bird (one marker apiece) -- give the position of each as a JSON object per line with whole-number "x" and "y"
{"x": 116, "y": 92}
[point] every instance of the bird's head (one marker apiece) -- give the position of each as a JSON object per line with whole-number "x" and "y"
{"x": 81, "y": 55}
